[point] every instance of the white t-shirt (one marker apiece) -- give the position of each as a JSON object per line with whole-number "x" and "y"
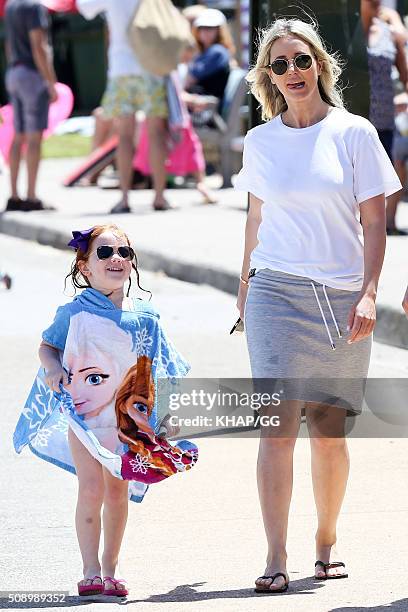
{"x": 122, "y": 60}
{"x": 311, "y": 181}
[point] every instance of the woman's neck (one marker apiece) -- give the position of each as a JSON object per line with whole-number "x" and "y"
{"x": 305, "y": 114}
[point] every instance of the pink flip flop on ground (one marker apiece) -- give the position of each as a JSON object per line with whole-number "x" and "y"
{"x": 116, "y": 591}
{"x": 91, "y": 589}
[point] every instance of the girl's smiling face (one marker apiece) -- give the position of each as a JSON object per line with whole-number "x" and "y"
{"x": 106, "y": 275}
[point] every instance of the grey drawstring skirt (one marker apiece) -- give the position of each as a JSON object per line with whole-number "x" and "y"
{"x": 296, "y": 330}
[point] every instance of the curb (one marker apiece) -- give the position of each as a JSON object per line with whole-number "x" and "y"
{"x": 149, "y": 260}
{"x": 391, "y": 327}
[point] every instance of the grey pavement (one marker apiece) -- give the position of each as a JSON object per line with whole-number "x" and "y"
{"x": 197, "y": 541}
{"x": 195, "y": 242}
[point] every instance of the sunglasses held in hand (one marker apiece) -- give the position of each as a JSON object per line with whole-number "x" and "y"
{"x": 238, "y": 326}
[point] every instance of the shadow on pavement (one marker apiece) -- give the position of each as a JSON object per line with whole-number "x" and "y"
{"x": 182, "y": 593}
{"x": 396, "y": 606}
{"x": 70, "y": 602}
{"x": 187, "y": 593}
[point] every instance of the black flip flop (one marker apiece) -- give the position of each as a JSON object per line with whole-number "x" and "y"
{"x": 14, "y": 204}
{"x": 327, "y": 566}
{"x": 118, "y": 209}
{"x": 36, "y": 204}
{"x": 270, "y": 591}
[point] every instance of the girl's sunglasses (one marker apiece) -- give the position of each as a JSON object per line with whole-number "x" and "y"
{"x": 105, "y": 251}
{"x": 302, "y": 62}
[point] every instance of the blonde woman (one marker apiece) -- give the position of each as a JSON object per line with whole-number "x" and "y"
{"x": 317, "y": 177}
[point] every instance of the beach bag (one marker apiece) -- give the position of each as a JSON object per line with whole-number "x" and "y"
{"x": 158, "y": 33}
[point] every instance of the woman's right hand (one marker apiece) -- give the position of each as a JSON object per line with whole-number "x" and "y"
{"x": 241, "y": 299}
{"x": 53, "y": 377}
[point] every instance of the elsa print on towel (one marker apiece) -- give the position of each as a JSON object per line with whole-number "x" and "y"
{"x": 94, "y": 375}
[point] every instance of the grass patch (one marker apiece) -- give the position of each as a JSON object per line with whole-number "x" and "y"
{"x": 67, "y": 145}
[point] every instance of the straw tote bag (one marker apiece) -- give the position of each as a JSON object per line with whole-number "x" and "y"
{"x": 158, "y": 33}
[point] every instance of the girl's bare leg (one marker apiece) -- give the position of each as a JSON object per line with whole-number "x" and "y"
{"x": 115, "y": 513}
{"x": 90, "y": 498}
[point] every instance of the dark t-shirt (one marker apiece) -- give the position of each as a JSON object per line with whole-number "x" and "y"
{"x": 22, "y": 16}
{"x": 211, "y": 69}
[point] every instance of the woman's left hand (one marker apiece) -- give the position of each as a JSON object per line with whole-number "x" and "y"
{"x": 362, "y": 317}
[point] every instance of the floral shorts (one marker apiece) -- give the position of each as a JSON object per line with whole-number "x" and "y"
{"x": 124, "y": 95}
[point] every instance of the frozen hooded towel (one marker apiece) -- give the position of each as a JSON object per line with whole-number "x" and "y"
{"x": 113, "y": 360}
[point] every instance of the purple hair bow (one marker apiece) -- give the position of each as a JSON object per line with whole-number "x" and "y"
{"x": 80, "y": 239}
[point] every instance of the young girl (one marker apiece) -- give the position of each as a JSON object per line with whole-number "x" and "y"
{"x": 93, "y": 343}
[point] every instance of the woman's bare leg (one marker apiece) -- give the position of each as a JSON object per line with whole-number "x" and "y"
{"x": 157, "y": 131}
{"x": 125, "y": 127}
{"x": 104, "y": 128}
{"x": 330, "y": 469}
{"x": 275, "y": 480}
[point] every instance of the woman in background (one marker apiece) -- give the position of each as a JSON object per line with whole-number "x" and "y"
{"x": 209, "y": 70}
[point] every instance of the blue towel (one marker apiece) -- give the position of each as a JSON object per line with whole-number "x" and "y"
{"x": 98, "y": 344}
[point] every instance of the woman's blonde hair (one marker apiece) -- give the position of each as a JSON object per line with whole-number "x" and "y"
{"x": 272, "y": 101}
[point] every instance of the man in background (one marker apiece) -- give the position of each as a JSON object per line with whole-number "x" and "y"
{"x": 30, "y": 82}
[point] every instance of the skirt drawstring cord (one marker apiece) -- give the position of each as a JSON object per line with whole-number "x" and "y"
{"x": 323, "y": 315}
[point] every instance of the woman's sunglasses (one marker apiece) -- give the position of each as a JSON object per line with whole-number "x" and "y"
{"x": 302, "y": 62}
{"x": 105, "y": 251}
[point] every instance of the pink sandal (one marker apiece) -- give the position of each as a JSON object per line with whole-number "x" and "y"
{"x": 116, "y": 592}
{"x": 91, "y": 589}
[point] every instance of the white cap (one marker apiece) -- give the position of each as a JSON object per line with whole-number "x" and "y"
{"x": 211, "y": 18}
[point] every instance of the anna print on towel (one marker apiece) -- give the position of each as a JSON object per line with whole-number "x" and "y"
{"x": 317, "y": 176}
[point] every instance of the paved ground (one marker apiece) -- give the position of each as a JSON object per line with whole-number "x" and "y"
{"x": 196, "y": 543}
{"x": 195, "y": 243}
